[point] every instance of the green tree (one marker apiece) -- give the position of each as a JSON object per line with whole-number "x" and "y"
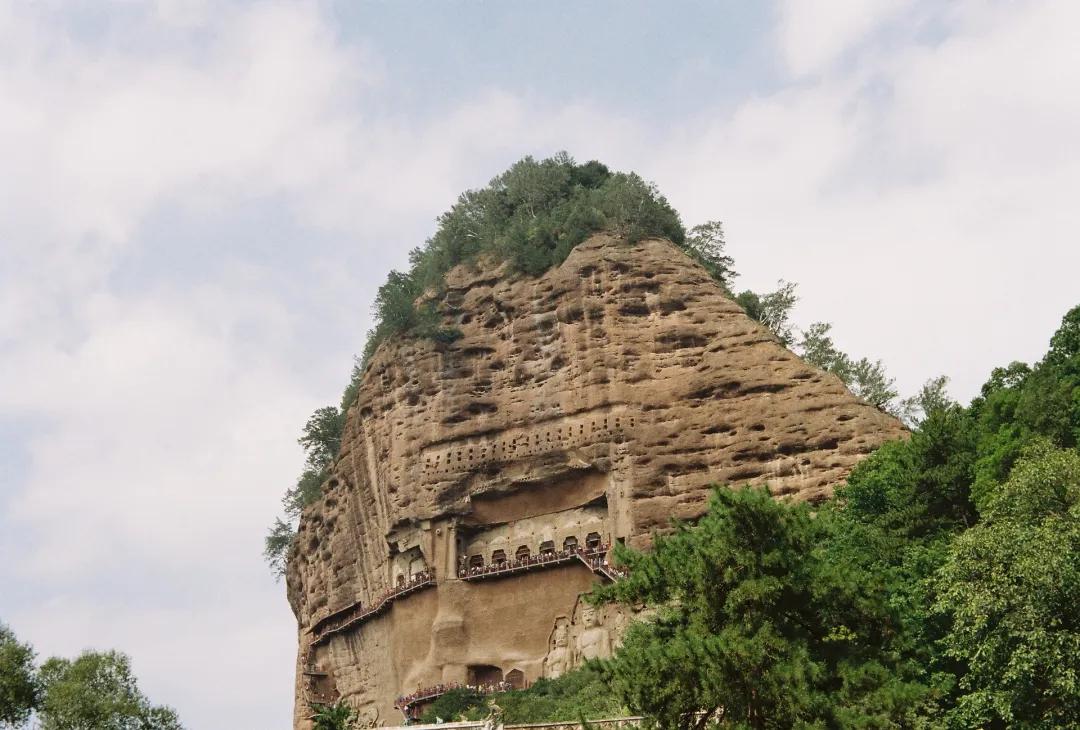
{"x": 868, "y": 380}
{"x": 276, "y": 546}
{"x": 933, "y": 396}
{"x": 865, "y": 378}
{"x": 321, "y": 441}
{"x": 705, "y": 243}
{"x": 754, "y": 628}
{"x": 339, "y": 716}
{"x": 583, "y": 693}
{"x": 773, "y": 309}
{"x": 1020, "y": 405}
{"x": 940, "y": 498}
{"x": 920, "y": 487}
{"x": 1011, "y": 589}
{"x": 18, "y": 680}
{"x": 322, "y": 436}
{"x": 98, "y": 691}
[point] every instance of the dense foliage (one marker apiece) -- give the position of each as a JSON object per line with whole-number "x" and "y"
{"x": 338, "y": 716}
{"x": 18, "y": 680}
{"x": 757, "y": 626}
{"x": 96, "y": 690}
{"x": 921, "y": 513}
{"x": 1011, "y": 587}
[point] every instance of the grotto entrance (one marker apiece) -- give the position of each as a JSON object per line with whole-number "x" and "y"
{"x": 481, "y": 674}
{"x": 516, "y": 679}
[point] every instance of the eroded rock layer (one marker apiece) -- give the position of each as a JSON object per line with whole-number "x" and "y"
{"x": 589, "y": 405}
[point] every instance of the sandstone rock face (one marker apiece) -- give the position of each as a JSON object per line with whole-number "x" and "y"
{"x": 594, "y": 403}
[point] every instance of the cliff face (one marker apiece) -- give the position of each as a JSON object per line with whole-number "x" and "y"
{"x": 589, "y": 405}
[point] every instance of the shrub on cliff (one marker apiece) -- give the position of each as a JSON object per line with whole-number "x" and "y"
{"x": 338, "y": 716}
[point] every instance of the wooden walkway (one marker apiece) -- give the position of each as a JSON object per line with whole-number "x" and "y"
{"x": 595, "y": 559}
{"x": 357, "y": 613}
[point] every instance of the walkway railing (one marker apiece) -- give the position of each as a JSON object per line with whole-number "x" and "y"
{"x": 357, "y": 613}
{"x": 599, "y": 564}
{"x": 594, "y": 558}
{"x": 406, "y": 703}
{"x": 344, "y": 619}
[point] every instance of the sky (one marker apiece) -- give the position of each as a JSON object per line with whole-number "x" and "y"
{"x": 199, "y": 198}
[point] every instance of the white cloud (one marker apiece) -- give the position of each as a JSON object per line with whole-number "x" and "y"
{"x": 812, "y": 36}
{"x": 108, "y": 134}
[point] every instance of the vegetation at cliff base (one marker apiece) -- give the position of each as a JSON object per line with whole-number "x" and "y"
{"x": 339, "y": 716}
{"x": 582, "y": 693}
{"x": 95, "y": 690}
{"x": 757, "y": 626}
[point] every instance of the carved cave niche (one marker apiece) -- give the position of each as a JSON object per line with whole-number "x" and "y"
{"x": 516, "y": 679}
{"x": 406, "y": 565}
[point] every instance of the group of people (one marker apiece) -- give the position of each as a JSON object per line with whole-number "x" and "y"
{"x": 595, "y": 556}
{"x": 358, "y": 611}
{"x": 429, "y": 693}
{"x": 601, "y": 562}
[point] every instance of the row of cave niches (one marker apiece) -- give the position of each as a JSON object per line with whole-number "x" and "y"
{"x": 499, "y": 557}
{"x": 539, "y": 441}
